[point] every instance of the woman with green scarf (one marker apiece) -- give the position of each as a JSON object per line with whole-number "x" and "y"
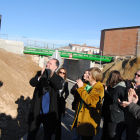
{"x": 88, "y": 110}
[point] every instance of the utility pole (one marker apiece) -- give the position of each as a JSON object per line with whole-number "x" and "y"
{"x": 0, "y": 20}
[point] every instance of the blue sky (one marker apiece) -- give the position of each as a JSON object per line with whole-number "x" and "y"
{"x": 67, "y": 21}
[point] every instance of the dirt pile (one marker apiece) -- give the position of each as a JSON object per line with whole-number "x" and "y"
{"x": 127, "y": 68}
{"x": 15, "y": 93}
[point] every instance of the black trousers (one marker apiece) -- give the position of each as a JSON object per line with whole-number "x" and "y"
{"x": 58, "y": 128}
{"x": 130, "y": 131}
{"x": 108, "y": 130}
{"x": 34, "y": 127}
{"x": 86, "y": 137}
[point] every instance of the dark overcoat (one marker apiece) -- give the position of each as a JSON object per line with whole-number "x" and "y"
{"x": 111, "y": 102}
{"x": 134, "y": 110}
{"x": 54, "y": 84}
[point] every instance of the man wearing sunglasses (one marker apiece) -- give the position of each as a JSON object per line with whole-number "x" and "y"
{"x": 137, "y": 79}
{"x": 134, "y": 84}
{"x": 130, "y": 123}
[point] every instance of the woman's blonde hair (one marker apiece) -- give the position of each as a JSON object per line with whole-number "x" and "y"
{"x": 62, "y": 68}
{"x": 96, "y": 74}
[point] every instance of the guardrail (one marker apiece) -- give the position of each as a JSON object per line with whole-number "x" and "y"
{"x": 30, "y": 42}
{"x": 47, "y": 52}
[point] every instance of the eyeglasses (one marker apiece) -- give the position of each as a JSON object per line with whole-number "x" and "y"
{"x": 137, "y": 74}
{"x": 62, "y": 72}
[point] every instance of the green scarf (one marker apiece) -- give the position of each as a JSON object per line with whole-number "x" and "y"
{"x": 87, "y": 88}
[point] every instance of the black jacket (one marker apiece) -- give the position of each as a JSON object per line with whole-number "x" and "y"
{"x": 62, "y": 96}
{"x": 134, "y": 110}
{"x": 128, "y": 117}
{"x": 111, "y": 101}
{"x": 52, "y": 84}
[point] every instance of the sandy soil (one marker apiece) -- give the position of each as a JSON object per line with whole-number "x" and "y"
{"x": 15, "y": 93}
{"x": 127, "y": 68}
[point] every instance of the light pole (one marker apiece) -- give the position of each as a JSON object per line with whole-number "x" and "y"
{"x": 100, "y": 57}
{"x": 0, "y": 20}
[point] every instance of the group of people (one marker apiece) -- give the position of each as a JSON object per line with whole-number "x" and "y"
{"x": 117, "y": 103}
{"x": 118, "y": 108}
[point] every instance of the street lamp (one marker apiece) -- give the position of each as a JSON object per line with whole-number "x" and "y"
{"x": 0, "y": 20}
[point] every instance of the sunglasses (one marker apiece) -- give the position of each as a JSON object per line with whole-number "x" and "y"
{"x": 62, "y": 72}
{"x": 137, "y": 74}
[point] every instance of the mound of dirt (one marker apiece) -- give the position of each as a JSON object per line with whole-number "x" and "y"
{"x": 15, "y": 93}
{"x": 127, "y": 68}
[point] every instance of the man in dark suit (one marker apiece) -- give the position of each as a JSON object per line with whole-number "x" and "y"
{"x": 44, "y": 108}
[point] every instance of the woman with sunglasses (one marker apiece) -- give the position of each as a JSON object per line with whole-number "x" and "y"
{"x": 62, "y": 96}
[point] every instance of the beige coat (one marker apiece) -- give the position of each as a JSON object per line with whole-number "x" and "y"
{"x": 88, "y": 118}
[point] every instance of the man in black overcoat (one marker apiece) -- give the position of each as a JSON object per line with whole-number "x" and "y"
{"x": 44, "y": 108}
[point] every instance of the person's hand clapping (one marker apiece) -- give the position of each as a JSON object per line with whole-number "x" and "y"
{"x": 124, "y": 103}
{"x": 132, "y": 97}
{"x": 42, "y": 71}
{"x": 79, "y": 83}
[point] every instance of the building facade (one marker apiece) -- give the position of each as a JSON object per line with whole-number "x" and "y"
{"x": 123, "y": 41}
{"x": 84, "y": 48}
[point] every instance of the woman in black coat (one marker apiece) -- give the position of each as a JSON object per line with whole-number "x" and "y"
{"x": 113, "y": 112}
{"x": 62, "y": 96}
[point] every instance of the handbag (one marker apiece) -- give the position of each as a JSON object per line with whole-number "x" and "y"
{"x": 116, "y": 115}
